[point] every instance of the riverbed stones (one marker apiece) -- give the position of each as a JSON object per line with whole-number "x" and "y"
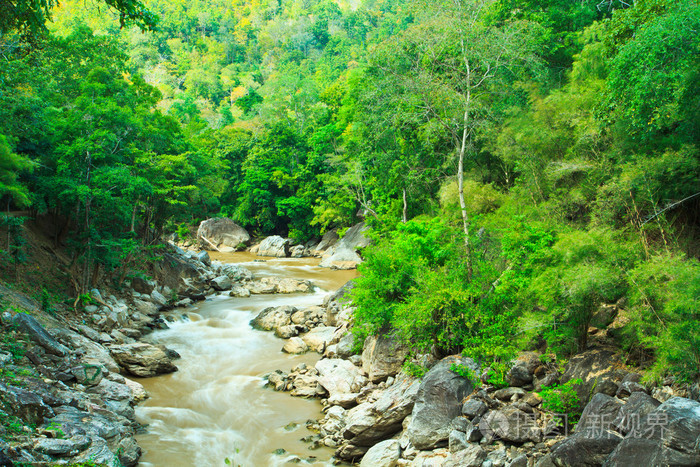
{"x": 382, "y": 356}
{"x": 370, "y": 422}
{"x": 474, "y": 408}
{"x": 272, "y": 318}
{"x": 274, "y": 246}
{"x": 306, "y": 386}
{"x": 308, "y": 314}
{"x": 138, "y": 392}
{"x": 221, "y": 232}
{"x": 295, "y": 345}
{"x": 270, "y": 285}
{"x": 24, "y": 404}
{"x": 239, "y": 291}
{"x": 202, "y": 257}
{"x": 438, "y": 402}
{"x": 285, "y": 332}
{"x": 141, "y": 359}
{"x": 62, "y": 447}
{"x": 470, "y": 455}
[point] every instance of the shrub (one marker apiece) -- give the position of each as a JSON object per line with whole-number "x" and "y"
{"x": 563, "y": 399}
{"x": 665, "y": 305}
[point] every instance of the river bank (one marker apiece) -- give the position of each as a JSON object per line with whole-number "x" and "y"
{"x": 81, "y": 374}
{"x": 224, "y": 325}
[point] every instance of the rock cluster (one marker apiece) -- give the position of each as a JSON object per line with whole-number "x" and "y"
{"x": 335, "y": 252}
{"x": 378, "y": 415}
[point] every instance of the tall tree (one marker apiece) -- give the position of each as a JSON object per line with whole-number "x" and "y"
{"x": 451, "y": 69}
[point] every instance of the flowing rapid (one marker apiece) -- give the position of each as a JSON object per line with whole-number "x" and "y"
{"x": 215, "y": 410}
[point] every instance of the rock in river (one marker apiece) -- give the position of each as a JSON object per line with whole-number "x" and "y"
{"x": 141, "y": 359}
{"x": 222, "y": 233}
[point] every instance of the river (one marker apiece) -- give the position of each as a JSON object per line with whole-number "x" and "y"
{"x": 215, "y": 407}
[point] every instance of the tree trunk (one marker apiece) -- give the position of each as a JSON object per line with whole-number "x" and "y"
{"x": 405, "y": 207}
{"x": 462, "y": 204}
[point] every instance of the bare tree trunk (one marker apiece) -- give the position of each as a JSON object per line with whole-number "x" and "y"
{"x": 405, "y": 207}
{"x": 462, "y": 204}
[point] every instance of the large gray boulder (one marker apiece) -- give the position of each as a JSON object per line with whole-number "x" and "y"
{"x": 339, "y": 376}
{"x": 601, "y": 411}
{"x": 141, "y": 359}
{"x": 438, "y": 402}
{"x": 180, "y": 273}
{"x": 639, "y": 405}
{"x": 343, "y": 255}
{"x": 36, "y": 332}
{"x": 382, "y": 357}
{"x": 668, "y": 435}
{"x": 384, "y": 454}
{"x": 510, "y": 424}
{"x": 371, "y": 422}
{"x": 222, "y": 283}
{"x": 274, "y": 246}
{"x": 221, "y": 233}
{"x": 593, "y": 367}
{"x": 328, "y": 240}
{"x": 588, "y": 448}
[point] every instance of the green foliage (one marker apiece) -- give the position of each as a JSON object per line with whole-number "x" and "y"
{"x": 392, "y": 270}
{"x": 15, "y": 240}
{"x": 563, "y": 399}
{"x": 30, "y": 17}
{"x": 650, "y": 75}
{"x": 581, "y": 271}
{"x": 11, "y": 165}
{"x": 12, "y": 425}
{"x": 665, "y": 313}
{"x": 465, "y": 372}
{"x": 414, "y": 369}
{"x": 497, "y": 373}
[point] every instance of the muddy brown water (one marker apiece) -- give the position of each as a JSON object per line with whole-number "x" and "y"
{"x": 215, "y": 407}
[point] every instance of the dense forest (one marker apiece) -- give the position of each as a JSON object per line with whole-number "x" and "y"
{"x": 520, "y": 162}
